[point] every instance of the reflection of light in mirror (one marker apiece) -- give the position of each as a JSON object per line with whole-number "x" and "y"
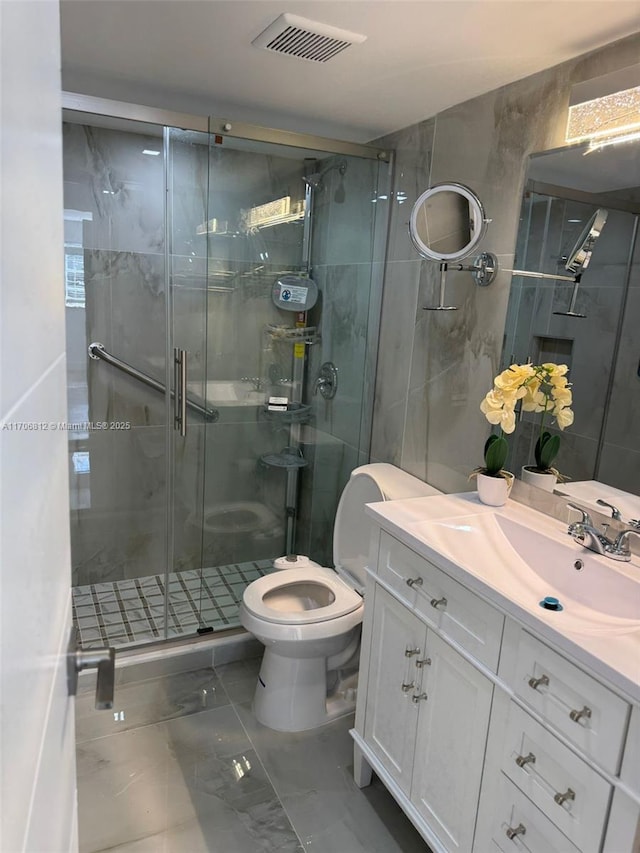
{"x": 241, "y": 768}
{"x": 597, "y": 144}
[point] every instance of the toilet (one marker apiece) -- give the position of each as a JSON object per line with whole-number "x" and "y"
{"x": 309, "y": 618}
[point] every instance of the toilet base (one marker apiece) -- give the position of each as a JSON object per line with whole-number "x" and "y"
{"x": 291, "y": 694}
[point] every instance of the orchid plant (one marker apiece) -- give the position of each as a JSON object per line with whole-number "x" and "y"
{"x": 542, "y": 388}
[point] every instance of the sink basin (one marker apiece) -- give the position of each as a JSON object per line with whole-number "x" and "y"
{"x": 574, "y": 575}
{"x": 526, "y": 565}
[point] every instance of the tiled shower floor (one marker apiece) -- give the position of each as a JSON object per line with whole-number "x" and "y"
{"x": 128, "y": 612}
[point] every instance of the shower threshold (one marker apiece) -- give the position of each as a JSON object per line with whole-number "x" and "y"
{"x": 130, "y": 612}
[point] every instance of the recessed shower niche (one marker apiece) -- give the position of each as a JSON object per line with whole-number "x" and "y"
{"x": 174, "y": 239}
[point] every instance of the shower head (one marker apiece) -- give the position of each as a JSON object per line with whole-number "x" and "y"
{"x": 315, "y": 180}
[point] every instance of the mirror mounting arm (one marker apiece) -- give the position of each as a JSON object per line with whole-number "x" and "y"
{"x": 483, "y": 270}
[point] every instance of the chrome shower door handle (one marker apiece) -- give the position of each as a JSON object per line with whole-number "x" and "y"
{"x": 104, "y": 660}
{"x": 180, "y": 390}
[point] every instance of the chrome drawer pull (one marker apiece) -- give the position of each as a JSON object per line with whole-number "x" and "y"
{"x": 536, "y": 682}
{"x": 407, "y": 687}
{"x": 423, "y": 662}
{"x": 560, "y": 799}
{"x": 520, "y": 829}
{"x": 523, "y": 760}
{"x": 576, "y": 716}
{"x": 418, "y": 697}
{"x": 438, "y": 602}
{"x": 409, "y": 653}
{"x": 414, "y": 582}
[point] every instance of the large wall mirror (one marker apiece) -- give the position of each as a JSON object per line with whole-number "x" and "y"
{"x": 595, "y": 327}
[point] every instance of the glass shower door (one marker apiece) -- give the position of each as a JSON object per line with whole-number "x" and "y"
{"x": 115, "y": 299}
{"x": 187, "y": 183}
{"x": 229, "y": 508}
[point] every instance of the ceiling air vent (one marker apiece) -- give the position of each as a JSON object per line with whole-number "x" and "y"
{"x": 295, "y": 36}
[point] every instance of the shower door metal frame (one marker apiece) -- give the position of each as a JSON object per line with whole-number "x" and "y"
{"x": 77, "y": 103}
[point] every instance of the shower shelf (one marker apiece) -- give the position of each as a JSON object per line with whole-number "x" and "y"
{"x": 296, "y": 413}
{"x": 290, "y": 457}
{"x": 281, "y": 220}
{"x": 308, "y": 335}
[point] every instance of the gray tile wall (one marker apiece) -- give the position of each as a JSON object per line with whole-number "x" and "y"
{"x": 349, "y": 235}
{"x": 434, "y": 369}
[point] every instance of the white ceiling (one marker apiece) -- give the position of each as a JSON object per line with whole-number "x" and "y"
{"x": 420, "y": 56}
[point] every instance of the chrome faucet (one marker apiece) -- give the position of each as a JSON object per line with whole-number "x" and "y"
{"x": 595, "y": 540}
{"x": 621, "y": 545}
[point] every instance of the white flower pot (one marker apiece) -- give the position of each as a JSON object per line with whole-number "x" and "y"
{"x": 546, "y": 482}
{"x": 494, "y": 491}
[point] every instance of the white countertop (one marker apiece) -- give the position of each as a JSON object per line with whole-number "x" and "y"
{"x": 464, "y": 538}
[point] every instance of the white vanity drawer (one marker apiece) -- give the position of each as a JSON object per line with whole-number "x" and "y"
{"x": 520, "y": 826}
{"x": 441, "y": 601}
{"x": 585, "y": 711}
{"x": 572, "y": 795}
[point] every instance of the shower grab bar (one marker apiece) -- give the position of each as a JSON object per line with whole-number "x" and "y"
{"x": 97, "y": 352}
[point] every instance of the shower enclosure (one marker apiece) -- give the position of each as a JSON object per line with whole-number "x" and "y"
{"x": 185, "y": 484}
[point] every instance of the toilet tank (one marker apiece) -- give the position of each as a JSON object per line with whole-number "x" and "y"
{"x": 378, "y": 481}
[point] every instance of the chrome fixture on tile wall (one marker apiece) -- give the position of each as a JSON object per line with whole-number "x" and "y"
{"x": 447, "y": 223}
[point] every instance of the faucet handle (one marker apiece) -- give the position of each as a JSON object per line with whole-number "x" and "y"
{"x": 586, "y": 518}
{"x": 615, "y": 512}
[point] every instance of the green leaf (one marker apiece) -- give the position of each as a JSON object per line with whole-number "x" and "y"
{"x": 547, "y": 447}
{"x": 495, "y": 454}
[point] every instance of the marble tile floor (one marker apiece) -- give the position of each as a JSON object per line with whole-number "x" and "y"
{"x": 181, "y": 766}
{"x": 129, "y": 612}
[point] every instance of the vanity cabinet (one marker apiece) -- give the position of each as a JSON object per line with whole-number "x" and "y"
{"x": 427, "y": 719}
{"x": 488, "y": 738}
{"x": 398, "y": 644}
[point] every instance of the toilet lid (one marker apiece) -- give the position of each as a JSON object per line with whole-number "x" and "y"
{"x": 300, "y": 597}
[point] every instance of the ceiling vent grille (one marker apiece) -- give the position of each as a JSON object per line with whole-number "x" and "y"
{"x": 311, "y": 40}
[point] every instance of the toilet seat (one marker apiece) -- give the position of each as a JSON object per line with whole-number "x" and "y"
{"x": 299, "y": 581}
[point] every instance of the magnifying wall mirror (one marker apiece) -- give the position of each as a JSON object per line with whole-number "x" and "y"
{"x": 447, "y": 223}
